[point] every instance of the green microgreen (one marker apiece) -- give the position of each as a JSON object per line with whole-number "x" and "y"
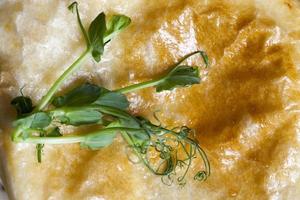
{"x": 178, "y": 76}
{"x": 174, "y": 149}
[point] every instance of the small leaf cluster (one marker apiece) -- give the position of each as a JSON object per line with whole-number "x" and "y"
{"x": 100, "y": 32}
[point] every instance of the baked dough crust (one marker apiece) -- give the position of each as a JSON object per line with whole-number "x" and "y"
{"x": 245, "y": 111}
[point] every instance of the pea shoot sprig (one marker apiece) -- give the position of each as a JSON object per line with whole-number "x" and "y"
{"x": 162, "y": 150}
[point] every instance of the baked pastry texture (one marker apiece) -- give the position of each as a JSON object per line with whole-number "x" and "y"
{"x": 245, "y": 111}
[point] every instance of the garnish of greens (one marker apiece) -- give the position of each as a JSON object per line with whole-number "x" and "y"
{"x": 163, "y": 151}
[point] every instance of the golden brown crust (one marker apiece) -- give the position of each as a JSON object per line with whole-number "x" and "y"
{"x": 245, "y": 112}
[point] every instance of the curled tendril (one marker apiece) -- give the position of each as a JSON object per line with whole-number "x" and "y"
{"x": 164, "y": 145}
{"x": 21, "y": 90}
{"x": 181, "y": 181}
{"x": 168, "y": 179}
{"x": 201, "y": 176}
{"x": 133, "y": 158}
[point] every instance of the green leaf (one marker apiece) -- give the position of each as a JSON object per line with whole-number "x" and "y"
{"x": 89, "y": 93}
{"x": 22, "y": 104}
{"x": 180, "y": 76}
{"x": 82, "y": 95}
{"x": 98, "y": 140}
{"x": 134, "y": 122}
{"x": 116, "y": 24}
{"x": 37, "y": 121}
{"x": 129, "y": 122}
{"x": 96, "y": 33}
{"x": 113, "y": 99}
{"x": 40, "y": 120}
{"x": 141, "y": 135}
{"x": 82, "y": 116}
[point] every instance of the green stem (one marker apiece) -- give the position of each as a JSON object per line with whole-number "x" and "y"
{"x": 17, "y": 131}
{"x": 104, "y": 109}
{"x": 47, "y": 98}
{"x": 138, "y": 86}
{"x": 52, "y": 140}
{"x": 71, "y": 139}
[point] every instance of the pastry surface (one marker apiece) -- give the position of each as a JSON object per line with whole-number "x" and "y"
{"x": 245, "y": 112}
